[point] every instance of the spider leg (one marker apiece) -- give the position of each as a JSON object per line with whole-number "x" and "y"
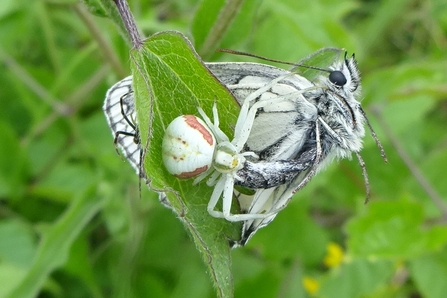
{"x": 218, "y": 189}
{"x": 243, "y": 131}
{"x": 260, "y": 199}
{"x": 245, "y": 217}
{"x": 216, "y": 117}
{"x": 213, "y": 178}
{"x": 245, "y": 106}
{"x": 227, "y": 196}
{"x": 219, "y": 134}
{"x": 227, "y": 199}
{"x": 249, "y": 153}
{"x": 224, "y": 188}
{"x": 202, "y": 176}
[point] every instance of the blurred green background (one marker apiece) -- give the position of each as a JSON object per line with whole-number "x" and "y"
{"x": 72, "y": 223}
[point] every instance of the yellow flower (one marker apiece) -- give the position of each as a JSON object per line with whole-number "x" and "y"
{"x": 334, "y": 255}
{"x": 311, "y": 285}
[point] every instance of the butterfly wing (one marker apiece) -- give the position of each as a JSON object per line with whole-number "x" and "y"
{"x": 279, "y": 133}
{"x": 119, "y": 108}
{"x": 321, "y": 59}
{"x": 279, "y": 129}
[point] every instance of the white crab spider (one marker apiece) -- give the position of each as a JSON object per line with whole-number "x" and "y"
{"x": 191, "y": 148}
{"x": 188, "y": 147}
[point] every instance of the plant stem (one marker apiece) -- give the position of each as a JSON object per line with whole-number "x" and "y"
{"x": 72, "y": 104}
{"x": 104, "y": 46}
{"x": 224, "y": 20}
{"x": 56, "y": 104}
{"x": 415, "y": 171}
{"x": 129, "y": 23}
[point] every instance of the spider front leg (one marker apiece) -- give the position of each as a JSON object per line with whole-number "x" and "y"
{"x": 227, "y": 197}
{"x": 218, "y": 133}
{"x": 217, "y": 192}
{"x": 243, "y": 114}
{"x": 227, "y": 200}
{"x": 243, "y": 127}
{"x": 224, "y": 188}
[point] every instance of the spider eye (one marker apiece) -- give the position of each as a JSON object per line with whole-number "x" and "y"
{"x": 337, "y": 78}
{"x": 226, "y": 159}
{"x": 188, "y": 147}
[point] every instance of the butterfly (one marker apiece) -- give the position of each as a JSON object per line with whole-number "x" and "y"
{"x": 306, "y": 121}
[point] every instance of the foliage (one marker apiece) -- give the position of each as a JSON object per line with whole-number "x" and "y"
{"x": 169, "y": 80}
{"x": 72, "y": 223}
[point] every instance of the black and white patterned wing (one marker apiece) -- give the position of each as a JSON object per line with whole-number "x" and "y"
{"x": 279, "y": 129}
{"x": 119, "y": 108}
{"x": 281, "y": 132}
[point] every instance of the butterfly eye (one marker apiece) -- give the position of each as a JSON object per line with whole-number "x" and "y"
{"x": 338, "y": 78}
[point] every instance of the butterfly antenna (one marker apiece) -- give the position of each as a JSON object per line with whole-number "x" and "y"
{"x": 374, "y": 136}
{"x": 271, "y": 60}
{"x": 365, "y": 177}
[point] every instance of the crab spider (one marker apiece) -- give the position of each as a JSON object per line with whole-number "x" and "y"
{"x": 192, "y": 148}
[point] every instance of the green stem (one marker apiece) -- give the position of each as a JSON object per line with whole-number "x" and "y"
{"x": 49, "y": 36}
{"x": 104, "y": 46}
{"x": 223, "y": 22}
{"x": 414, "y": 169}
{"x": 129, "y": 23}
{"x": 72, "y": 103}
{"x": 24, "y": 76}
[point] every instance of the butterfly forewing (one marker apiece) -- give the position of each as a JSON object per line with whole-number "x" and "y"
{"x": 318, "y": 61}
{"x": 272, "y": 126}
{"x": 119, "y": 108}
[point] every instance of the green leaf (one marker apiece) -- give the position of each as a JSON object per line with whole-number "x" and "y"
{"x": 356, "y": 278}
{"x": 19, "y": 248}
{"x": 393, "y": 230}
{"x": 381, "y": 22}
{"x": 108, "y": 8}
{"x": 170, "y": 80}
{"x": 295, "y": 234}
{"x": 429, "y": 274}
{"x": 64, "y": 182}
{"x": 10, "y": 275}
{"x": 204, "y": 18}
{"x": 215, "y": 17}
{"x": 262, "y": 285}
{"x": 206, "y": 24}
{"x": 13, "y": 164}
{"x": 56, "y": 242}
{"x": 95, "y": 7}
{"x": 7, "y": 7}
{"x": 300, "y": 28}
{"x": 79, "y": 264}
{"x": 432, "y": 165}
